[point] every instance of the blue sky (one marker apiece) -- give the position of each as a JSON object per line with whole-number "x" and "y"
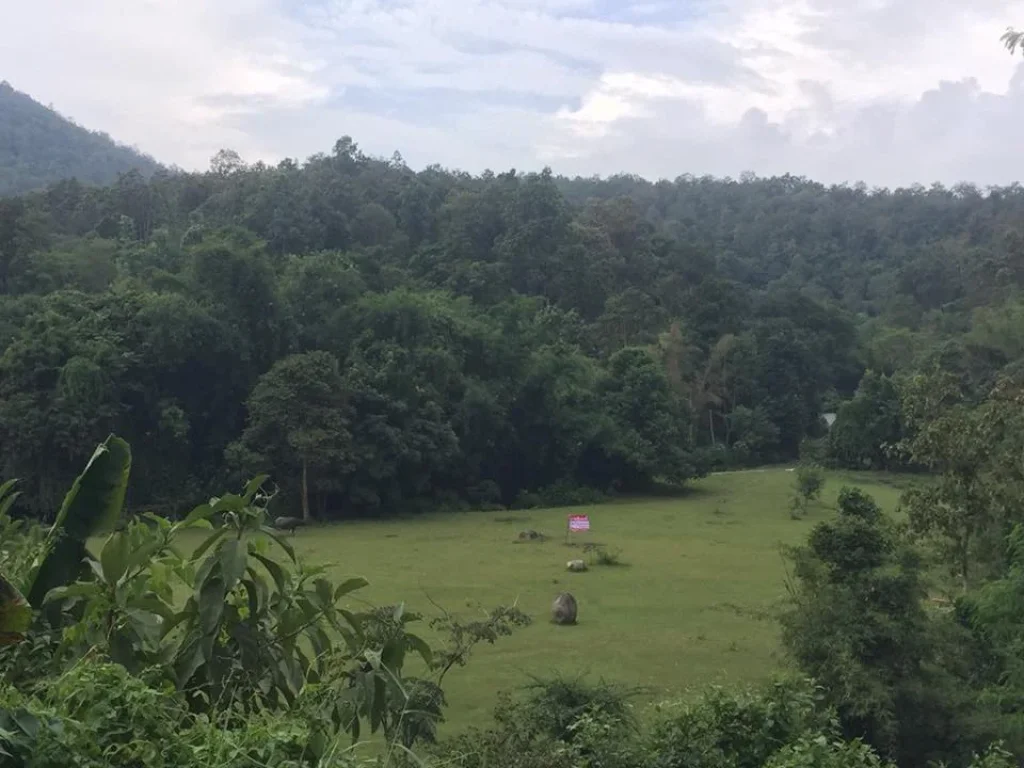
{"x": 890, "y": 92}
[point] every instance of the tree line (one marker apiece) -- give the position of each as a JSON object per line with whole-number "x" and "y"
{"x": 380, "y": 339}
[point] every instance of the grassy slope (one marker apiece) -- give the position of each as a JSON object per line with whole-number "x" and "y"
{"x": 692, "y": 607}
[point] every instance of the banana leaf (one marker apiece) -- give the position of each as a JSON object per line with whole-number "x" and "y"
{"x": 92, "y": 506}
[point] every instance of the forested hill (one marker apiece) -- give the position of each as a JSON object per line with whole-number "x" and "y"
{"x": 405, "y": 339}
{"x": 39, "y": 147}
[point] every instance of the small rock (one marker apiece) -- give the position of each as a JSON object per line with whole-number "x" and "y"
{"x": 576, "y": 565}
{"x": 564, "y": 609}
{"x": 530, "y": 535}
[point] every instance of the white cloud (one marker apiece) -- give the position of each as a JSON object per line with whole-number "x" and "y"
{"x": 891, "y": 91}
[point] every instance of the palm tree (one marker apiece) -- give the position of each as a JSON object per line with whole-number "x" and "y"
{"x": 1013, "y": 40}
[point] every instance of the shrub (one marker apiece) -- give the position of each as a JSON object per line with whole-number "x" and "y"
{"x": 808, "y": 483}
{"x": 603, "y": 556}
{"x": 823, "y": 752}
{"x": 561, "y": 723}
{"x": 738, "y": 729}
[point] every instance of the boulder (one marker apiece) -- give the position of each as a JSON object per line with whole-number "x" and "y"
{"x": 530, "y": 535}
{"x": 576, "y": 565}
{"x": 564, "y": 609}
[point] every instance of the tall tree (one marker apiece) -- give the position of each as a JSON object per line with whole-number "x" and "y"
{"x": 298, "y": 422}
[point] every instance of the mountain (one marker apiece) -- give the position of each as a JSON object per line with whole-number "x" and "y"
{"x": 38, "y": 146}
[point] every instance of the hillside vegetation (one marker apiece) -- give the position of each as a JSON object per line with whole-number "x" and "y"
{"x": 38, "y": 147}
{"x": 383, "y": 340}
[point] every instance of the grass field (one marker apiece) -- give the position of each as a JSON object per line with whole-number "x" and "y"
{"x": 693, "y": 606}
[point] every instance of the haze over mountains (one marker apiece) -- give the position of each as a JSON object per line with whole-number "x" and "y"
{"x": 39, "y": 146}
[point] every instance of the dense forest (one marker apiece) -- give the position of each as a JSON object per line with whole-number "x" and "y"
{"x": 38, "y": 147}
{"x": 381, "y": 340}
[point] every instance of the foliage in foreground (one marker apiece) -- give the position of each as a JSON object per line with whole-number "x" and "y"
{"x": 261, "y": 644}
{"x": 575, "y": 724}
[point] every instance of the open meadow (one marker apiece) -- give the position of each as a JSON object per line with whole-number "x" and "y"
{"x": 693, "y": 605}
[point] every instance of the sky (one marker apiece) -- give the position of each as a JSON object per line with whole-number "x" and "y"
{"x": 888, "y": 92}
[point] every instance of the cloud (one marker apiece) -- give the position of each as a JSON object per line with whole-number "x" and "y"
{"x": 888, "y": 91}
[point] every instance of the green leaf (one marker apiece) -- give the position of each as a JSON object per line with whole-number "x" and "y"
{"x": 114, "y": 557}
{"x": 78, "y": 589}
{"x": 419, "y": 645}
{"x": 275, "y": 570}
{"x": 202, "y": 512}
{"x": 348, "y": 586}
{"x": 323, "y": 593}
{"x": 233, "y": 556}
{"x": 15, "y": 613}
{"x": 145, "y": 621}
{"x": 253, "y": 597}
{"x": 188, "y": 660}
{"x": 211, "y": 604}
{"x": 392, "y": 656}
{"x": 142, "y": 554}
{"x": 258, "y": 583}
{"x": 92, "y": 506}
{"x": 231, "y": 502}
{"x": 210, "y": 540}
{"x": 253, "y": 486}
{"x": 156, "y": 606}
{"x": 379, "y": 703}
{"x": 280, "y": 541}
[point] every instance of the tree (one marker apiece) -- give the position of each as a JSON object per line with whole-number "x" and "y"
{"x": 1012, "y": 39}
{"x": 298, "y": 421}
{"x": 649, "y": 434}
{"x": 965, "y": 447}
{"x": 856, "y": 624}
{"x": 869, "y": 427}
{"x": 808, "y": 482}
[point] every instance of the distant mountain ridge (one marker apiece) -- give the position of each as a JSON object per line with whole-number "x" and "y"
{"x": 38, "y": 146}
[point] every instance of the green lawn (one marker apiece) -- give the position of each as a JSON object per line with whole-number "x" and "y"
{"x": 692, "y": 606}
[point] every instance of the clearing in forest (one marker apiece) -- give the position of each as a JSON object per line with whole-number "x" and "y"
{"x": 692, "y": 605}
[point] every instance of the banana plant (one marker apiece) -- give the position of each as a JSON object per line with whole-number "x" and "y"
{"x": 92, "y": 506}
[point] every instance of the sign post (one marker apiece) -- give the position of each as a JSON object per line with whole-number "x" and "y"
{"x": 576, "y": 524}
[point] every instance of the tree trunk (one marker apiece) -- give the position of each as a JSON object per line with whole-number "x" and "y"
{"x": 965, "y": 554}
{"x": 711, "y": 425}
{"x": 305, "y": 493}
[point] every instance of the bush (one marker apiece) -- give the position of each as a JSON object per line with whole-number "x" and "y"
{"x": 738, "y": 729}
{"x": 808, "y": 483}
{"x": 99, "y": 716}
{"x": 556, "y": 704}
{"x": 823, "y": 752}
{"x": 562, "y": 723}
{"x": 603, "y": 556}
